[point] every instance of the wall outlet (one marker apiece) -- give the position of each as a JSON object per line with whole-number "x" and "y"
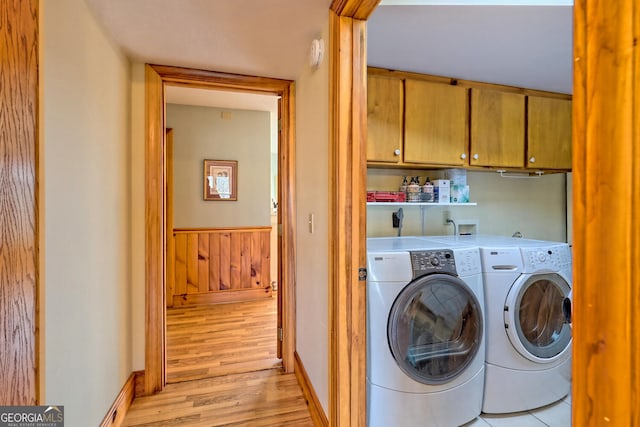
{"x": 446, "y": 215}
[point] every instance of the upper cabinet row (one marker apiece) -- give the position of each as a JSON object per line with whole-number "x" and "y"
{"x": 416, "y": 123}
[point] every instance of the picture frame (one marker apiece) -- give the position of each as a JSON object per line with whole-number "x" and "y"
{"x": 220, "y": 180}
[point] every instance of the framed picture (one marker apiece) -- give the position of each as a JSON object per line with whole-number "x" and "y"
{"x": 221, "y": 180}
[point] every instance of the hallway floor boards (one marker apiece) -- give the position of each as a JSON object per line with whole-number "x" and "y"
{"x": 220, "y": 339}
{"x": 223, "y": 370}
{"x": 261, "y": 398}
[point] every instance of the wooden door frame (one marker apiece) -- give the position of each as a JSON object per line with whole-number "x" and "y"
{"x": 20, "y": 217}
{"x": 606, "y": 208}
{"x": 157, "y": 77}
{"x": 347, "y": 222}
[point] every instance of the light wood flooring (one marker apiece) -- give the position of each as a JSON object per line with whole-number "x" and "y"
{"x": 222, "y": 362}
{"x": 220, "y": 339}
{"x": 260, "y": 398}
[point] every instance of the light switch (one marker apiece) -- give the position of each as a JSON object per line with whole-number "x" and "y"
{"x": 311, "y": 223}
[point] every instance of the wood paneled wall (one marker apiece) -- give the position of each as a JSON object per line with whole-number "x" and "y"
{"x": 220, "y": 265}
{"x": 18, "y": 202}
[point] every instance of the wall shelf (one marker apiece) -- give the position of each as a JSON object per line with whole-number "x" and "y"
{"x": 423, "y": 204}
{"x": 423, "y": 207}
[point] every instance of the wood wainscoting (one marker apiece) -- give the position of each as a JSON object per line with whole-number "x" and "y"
{"x": 213, "y": 265}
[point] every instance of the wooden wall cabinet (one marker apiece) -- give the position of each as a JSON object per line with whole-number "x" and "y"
{"x": 548, "y": 133}
{"x": 435, "y": 126}
{"x": 385, "y": 103}
{"x": 497, "y": 128}
{"x": 418, "y": 121}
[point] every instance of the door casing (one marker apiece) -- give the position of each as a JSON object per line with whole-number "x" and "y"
{"x": 156, "y": 78}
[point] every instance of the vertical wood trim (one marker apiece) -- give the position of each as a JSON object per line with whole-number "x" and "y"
{"x": 171, "y": 275}
{"x": 236, "y": 244}
{"x": 19, "y": 274}
{"x": 154, "y": 231}
{"x": 214, "y": 262}
{"x": 358, "y": 168}
{"x": 245, "y": 260}
{"x": 287, "y": 212}
{"x": 264, "y": 280}
{"x": 256, "y": 260}
{"x": 180, "y": 264}
{"x": 225, "y": 260}
{"x": 203, "y": 262}
{"x": 347, "y": 397}
{"x": 606, "y": 165}
{"x": 192, "y": 263}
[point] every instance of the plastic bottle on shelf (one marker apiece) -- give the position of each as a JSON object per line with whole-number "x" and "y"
{"x": 427, "y": 191}
{"x": 413, "y": 190}
{"x": 403, "y": 186}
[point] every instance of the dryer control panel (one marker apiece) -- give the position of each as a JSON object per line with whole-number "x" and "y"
{"x": 428, "y": 262}
{"x": 552, "y": 258}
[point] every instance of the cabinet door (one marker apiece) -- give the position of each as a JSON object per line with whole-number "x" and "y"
{"x": 384, "y": 119}
{"x": 549, "y": 133}
{"x": 497, "y": 128}
{"x": 435, "y": 130}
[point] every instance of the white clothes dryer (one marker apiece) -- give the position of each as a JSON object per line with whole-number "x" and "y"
{"x": 528, "y": 314}
{"x": 425, "y": 333}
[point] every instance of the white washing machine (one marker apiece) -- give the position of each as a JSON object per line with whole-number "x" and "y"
{"x": 425, "y": 333}
{"x": 528, "y": 315}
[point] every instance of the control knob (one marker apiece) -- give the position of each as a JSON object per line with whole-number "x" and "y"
{"x": 435, "y": 261}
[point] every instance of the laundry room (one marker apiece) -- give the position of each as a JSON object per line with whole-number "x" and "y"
{"x": 469, "y": 263}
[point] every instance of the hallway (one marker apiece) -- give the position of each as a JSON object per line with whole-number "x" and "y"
{"x": 223, "y": 370}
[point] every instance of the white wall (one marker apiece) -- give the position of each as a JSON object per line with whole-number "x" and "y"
{"x": 536, "y": 207}
{"x": 86, "y": 186}
{"x": 205, "y": 133}
{"x": 312, "y": 177}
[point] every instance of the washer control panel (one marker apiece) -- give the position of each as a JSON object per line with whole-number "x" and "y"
{"x": 554, "y": 258}
{"x": 427, "y": 262}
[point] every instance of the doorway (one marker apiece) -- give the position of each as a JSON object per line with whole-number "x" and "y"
{"x": 158, "y": 78}
{"x": 222, "y": 257}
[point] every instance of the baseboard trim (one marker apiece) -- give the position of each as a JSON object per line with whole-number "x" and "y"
{"x": 315, "y": 408}
{"x": 140, "y": 389}
{"x": 118, "y": 410}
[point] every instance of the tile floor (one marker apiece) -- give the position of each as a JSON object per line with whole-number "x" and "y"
{"x": 555, "y": 415}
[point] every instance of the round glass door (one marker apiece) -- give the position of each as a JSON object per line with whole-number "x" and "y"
{"x": 540, "y": 312}
{"x": 435, "y": 328}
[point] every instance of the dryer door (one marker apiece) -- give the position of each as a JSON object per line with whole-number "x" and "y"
{"x": 537, "y": 316}
{"x": 435, "y": 328}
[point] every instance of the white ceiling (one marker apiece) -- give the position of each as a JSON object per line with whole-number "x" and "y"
{"x": 526, "y": 46}
{"x": 256, "y": 37}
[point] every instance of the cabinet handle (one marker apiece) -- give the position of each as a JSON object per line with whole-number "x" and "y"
{"x": 397, "y": 152}
{"x": 463, "y": 156}
{"x": 532, "y": 160}
{"x": 475, "y": 156}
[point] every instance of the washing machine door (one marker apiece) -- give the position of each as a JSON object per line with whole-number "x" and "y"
{"x": 537, "y": 316}
{"x": 435, "y": 328}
